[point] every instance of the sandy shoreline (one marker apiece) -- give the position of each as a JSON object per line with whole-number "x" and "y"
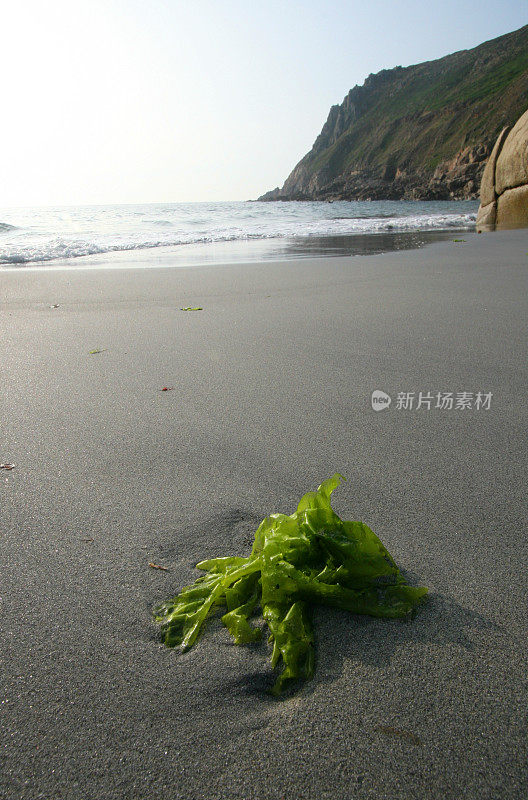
{"x": 272, "y": 385}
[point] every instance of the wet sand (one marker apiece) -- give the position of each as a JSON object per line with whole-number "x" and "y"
{"x": 272, "y": 385}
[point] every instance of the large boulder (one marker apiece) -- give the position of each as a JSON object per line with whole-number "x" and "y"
{"x": 487, "y": 217}
{"x": 512, "y": 163}
{"x": 487, "y": 184}
{"x": 512, "y": 208}
{"x": 504, "y": 185}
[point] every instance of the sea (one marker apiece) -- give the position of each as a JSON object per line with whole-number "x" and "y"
{"x": 187, "y": 234}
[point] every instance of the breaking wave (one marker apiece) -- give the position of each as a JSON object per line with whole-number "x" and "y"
{"x": 73, "y": 233}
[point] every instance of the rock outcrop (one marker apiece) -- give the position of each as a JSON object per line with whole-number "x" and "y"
{"x": 504, "y": 186}
{"x": 422, "y": 132}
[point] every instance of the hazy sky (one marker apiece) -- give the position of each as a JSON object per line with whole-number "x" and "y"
{"x": 124, "y": 101}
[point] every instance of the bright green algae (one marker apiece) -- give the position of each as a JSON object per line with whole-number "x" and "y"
{"x": 297, "y": 561}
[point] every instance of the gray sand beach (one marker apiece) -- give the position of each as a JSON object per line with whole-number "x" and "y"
{"x": 271, "y": 394}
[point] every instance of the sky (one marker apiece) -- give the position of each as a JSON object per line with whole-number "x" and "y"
{"x": 137, "y": 101}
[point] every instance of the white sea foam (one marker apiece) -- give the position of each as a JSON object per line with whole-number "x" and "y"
{"x": 43, "y": 235}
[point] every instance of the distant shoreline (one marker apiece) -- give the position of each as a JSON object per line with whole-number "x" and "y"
{"x": 187, "y": 233}
{"x": 251, "y": 253}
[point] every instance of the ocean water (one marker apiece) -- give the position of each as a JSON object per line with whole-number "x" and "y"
{"x": 208, "y": 232}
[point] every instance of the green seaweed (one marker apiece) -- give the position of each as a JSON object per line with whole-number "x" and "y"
{"x": 311, "y": 557}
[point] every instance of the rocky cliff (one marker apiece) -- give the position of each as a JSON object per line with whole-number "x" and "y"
{"x": 421, "y": 132}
